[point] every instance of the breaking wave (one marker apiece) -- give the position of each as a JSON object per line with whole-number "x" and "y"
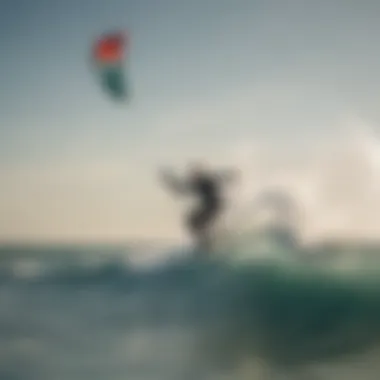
{"x": 192, "y": 317}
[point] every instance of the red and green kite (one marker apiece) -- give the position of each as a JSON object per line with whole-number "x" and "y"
{"x": 109, "y": 56}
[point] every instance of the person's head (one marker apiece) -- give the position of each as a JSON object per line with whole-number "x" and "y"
{"x": 196, "y": 169}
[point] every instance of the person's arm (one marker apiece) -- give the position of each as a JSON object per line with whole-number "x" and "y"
{"x": 173, "y": 182}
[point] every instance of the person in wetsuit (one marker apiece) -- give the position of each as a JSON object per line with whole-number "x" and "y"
{"x": 208, "y": 187}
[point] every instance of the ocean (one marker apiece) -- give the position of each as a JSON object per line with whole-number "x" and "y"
{"x": 103, "y": 312}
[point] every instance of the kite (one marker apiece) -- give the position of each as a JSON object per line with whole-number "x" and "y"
{"x": 109, "y": 57}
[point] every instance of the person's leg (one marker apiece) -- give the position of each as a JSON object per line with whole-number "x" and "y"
{"x": 193, "y": 226}
{"x": 199, "y": 223}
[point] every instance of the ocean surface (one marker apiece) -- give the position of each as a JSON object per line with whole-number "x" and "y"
{"x": 106, "y": 312}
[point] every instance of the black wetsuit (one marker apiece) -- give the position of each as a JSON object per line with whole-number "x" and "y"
{"x": 207, "y": 189}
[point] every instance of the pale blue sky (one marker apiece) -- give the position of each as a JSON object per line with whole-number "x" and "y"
{"x": 204, "y": 73}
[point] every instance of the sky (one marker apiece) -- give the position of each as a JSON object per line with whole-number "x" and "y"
{"x": 288, "y": 90}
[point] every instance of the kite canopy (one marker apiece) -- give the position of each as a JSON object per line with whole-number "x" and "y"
{"x": 109, "y": 55}
{"x": 110, "y": 48}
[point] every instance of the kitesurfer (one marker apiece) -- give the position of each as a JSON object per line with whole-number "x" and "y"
{"x": 208, "y": 187}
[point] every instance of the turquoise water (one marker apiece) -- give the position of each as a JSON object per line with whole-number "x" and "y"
{"x": 89, "y": 313}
